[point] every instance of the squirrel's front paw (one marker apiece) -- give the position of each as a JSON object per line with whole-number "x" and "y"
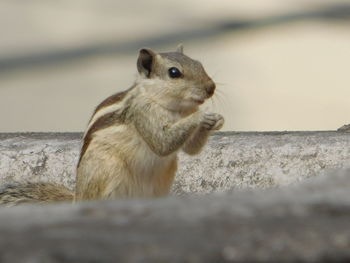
{"x": 212, "y": 121}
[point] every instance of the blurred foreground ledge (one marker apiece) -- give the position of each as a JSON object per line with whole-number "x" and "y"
{"x": 230, "y": 160}
{"x": 306, "y": 222}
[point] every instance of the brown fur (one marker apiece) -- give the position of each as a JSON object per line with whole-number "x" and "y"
{"x": 15, "y": 194}
{"x": 112, "y": 99}
{"x": 132, "y": 150}
{"x": 101, "y": 123}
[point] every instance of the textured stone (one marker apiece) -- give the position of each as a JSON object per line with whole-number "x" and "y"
{"x": 39, "y": 157}
{"x": 261, "y": 160}
{"x": 230, "y": 160}
{"x": 308, "y": 222}
{"x": 344, "y": 128}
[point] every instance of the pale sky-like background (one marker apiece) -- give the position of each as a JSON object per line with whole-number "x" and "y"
{"x": 279, "y": 65}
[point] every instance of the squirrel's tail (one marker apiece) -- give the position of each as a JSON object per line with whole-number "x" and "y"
{"x": 14, "y": 194}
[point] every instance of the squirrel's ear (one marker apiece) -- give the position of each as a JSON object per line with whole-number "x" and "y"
{"x": 145, "y": 61}
{"x": 180, "y": 48}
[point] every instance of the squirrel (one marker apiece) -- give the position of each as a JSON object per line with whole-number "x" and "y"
{"x": 131, "y": 143}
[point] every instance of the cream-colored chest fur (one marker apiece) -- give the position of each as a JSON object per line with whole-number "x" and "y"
{"x": 148, "y": 174}
{"x": 150, "y": 170}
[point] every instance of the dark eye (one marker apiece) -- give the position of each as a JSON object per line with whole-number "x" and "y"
{"x": 174, "y": 73}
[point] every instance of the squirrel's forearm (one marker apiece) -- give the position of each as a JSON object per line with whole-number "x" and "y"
{"x": 162, "y": 137}
{"x": 196, "y": 141}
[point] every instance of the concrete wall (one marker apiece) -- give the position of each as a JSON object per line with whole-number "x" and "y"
{"x": 230, "y": 160}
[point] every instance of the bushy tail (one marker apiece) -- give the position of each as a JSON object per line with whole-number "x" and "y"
{"x": 11, "y": 195}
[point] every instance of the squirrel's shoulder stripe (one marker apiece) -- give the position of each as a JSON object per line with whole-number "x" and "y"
{"x": 101, "y": 123}
{"x": 111, "y": 100}
{"x": 110, "y": 104}
{"x": 105, "y": 115}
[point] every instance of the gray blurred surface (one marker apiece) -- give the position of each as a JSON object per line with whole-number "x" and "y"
{"x": 306, "y": 223}
{"x": 229, "y": 161}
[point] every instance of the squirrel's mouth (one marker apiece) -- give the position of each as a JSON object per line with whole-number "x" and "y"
{"x": 198, "y": 101}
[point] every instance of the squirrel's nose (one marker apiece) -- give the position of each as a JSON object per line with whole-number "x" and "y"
{"x": 210, "y": 88}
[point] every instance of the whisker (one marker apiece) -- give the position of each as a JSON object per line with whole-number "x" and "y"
{"x": 213, "y": 77}
{"x": 215, "y": 74}
{"x": 213, "y": 105}
{"x": 221, "y": 98}
{"x": 220, "y": 92}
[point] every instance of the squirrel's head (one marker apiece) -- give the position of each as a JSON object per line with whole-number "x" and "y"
{"x": 173, "y": 79}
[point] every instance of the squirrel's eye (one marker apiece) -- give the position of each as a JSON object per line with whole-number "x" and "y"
{"x": 174, "y": 73}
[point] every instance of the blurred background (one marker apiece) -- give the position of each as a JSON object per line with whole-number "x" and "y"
{"x": 279, "y": 65}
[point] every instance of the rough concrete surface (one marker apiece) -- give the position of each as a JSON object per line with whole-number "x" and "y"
{"x": 39, "y": 157}
{"x": 309, "y": 222}
{"x": 229, "y": 161}
{"x": 344, "y": 128}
